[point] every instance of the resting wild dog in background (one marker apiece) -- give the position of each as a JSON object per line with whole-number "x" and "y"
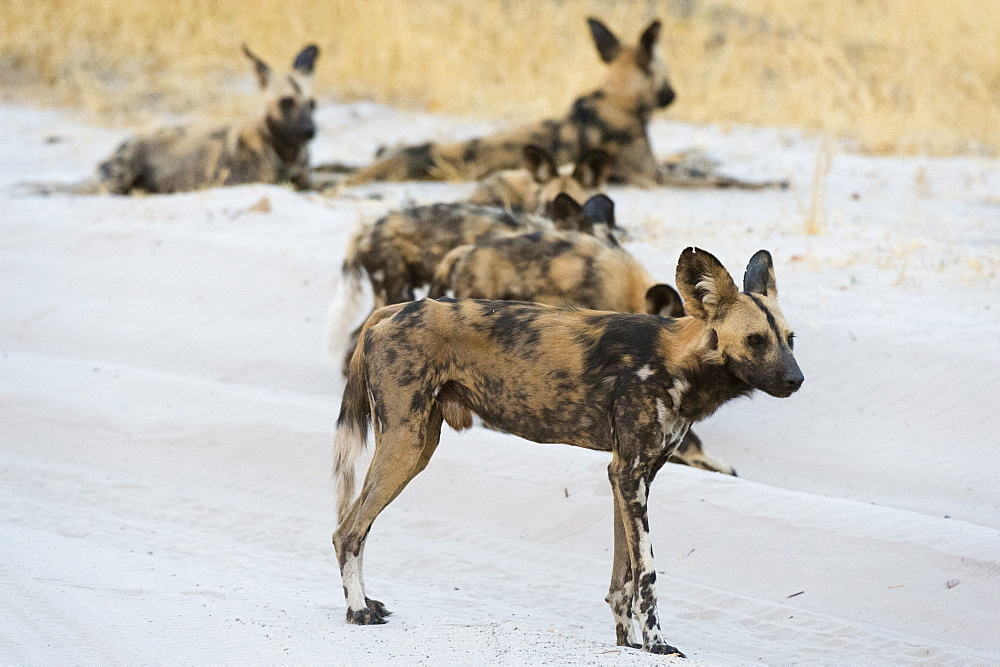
{"x": 400, "y": 252}
{"x": 567, "y": 268}
{"x": 271, "y": 148}
{"x": 558, "y": 268}
{"x": 532, "y": 188}
{"x": 628, "y": 384}
{"x": 613, "y": 118}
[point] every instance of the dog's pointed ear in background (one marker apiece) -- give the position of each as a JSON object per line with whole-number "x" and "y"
{"x": 306, "y": 60}
{"x": 759, "y": 276}
{"x": 260, "y": 68}
{"x": 593, "y": 169}
{"x": 568, "y": 215}
{"x": 539, "y": 163}
{"x": 705, "y": 285}
{"x": 663, "y": 300}
{"x": 600, "y": 210}
{"x": 647, "y": 42}
{"x": 607, "y": 44}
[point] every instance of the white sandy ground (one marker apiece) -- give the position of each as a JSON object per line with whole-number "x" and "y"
{"x": 166, "y": 417}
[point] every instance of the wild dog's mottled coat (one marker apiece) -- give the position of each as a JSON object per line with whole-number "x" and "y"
{"x": 627, "y": 384}
{"x": 533, "y": 188}
{"x": 613, "y": 118}
{"x": 271, "y": 148}
{"x": 567, "y": 268}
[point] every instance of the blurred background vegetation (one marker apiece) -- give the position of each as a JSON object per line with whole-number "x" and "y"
{"x": 890, "y": 76}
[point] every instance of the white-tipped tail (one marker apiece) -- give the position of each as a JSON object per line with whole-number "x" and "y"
{"x": 348, "y": 444}
{"x": 345, "y": 311}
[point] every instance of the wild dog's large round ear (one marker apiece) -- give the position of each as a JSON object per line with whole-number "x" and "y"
{"x": 260, "y": 68}
{"x": 600, "y": 210}
{"x": 540, "y": 163}
{"x": 607, "y": 44}
{"x": 593, "y": 168}
{"x": 647, "y": 42}
{"x": 663, "y": 300}
{"x": 705, "y": 285}
{"x": 568, "y": 216}
{"x": 759, "y": 276}
{"x": 306, "y": 60}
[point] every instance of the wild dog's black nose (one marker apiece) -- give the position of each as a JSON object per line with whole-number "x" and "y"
{"x": 794, "y": 380}
{"x": 665, "y": 97}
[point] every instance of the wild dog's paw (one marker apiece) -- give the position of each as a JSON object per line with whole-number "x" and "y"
{"x": 364, "y": 617}
{"x": 664, "y": 649}
{"x": 377, "y": 607}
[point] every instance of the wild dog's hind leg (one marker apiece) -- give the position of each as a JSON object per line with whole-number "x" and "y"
{"x": 629, "y": 480}
{"x": 691, "y": 453}
{"x": 400, "y": 454}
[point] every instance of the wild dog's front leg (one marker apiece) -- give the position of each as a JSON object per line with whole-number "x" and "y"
{"x": 628, "y": 480}
{"x": 622, "y": 590}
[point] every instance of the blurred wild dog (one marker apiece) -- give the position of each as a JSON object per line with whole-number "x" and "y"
{"x": 613, "y": 118}
{"x": 399, "y": 253}
{"x": 270, "y": 148}
{"x": 567, "y": 268}
{"x": 627, "y": 384}
{"x": 578, "y": 268}
{"x": 532, "y": 188}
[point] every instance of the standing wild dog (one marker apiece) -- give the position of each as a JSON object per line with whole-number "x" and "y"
{"x": 627, "y": 384}
{"x": 567, "y": 268}
{"x": 399, "y": 252}
{"x": 613, "y": 118}
{"x": 533, "y": 188}
{"x": 270, "y": 148}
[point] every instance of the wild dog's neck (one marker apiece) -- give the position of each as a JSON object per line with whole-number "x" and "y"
{"x": 699, "y": 361}
{"x": 612, "y": 108}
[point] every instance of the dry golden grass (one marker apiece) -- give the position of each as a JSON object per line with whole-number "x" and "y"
{"x": 909, "y": 76}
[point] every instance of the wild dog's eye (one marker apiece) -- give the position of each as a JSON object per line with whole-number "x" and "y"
{"x": 755, "y": 340}
{"x": 286, "y": 104}
{"x": 312, "y": 105}
{"x": 791, "y": 341}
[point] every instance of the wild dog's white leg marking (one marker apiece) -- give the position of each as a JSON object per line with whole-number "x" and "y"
{"x": 645, "y": 579}
{"x": 353, "y": 587}
{"x": 644, "y": 372}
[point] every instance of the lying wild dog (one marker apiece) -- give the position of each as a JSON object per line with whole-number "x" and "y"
{"x": 613, "y": 118}
{"x": 577, "y": 268}
{"x": 566, "y": 268}
{"x": 627, "y": 384}
{"x": 399, "y": 252}
{"x": 269, "y": 148}
{"x": 532, "y": 188}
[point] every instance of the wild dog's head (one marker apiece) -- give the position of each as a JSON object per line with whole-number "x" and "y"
{"x": 638, "y": 78}
{"x": 290, "y": 104}
{"x": 747, "y": 330}
{"x": 596, "y": 217}
{"x": 589, "y": 174}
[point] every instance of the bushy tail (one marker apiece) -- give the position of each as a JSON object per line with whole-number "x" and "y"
{"x": 355, "y": 416}
{"x": 348, "y": 302}
{"x": 445, "y": 270}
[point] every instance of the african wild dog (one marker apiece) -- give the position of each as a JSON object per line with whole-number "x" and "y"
{"x": 627, "y": 384}
{"x": 269, "y": 148}
{"x": 400, "y": 251}
{"x": 613, "y": 118}
{"x": 567, "y": 268}
{"x": 533, "y": 188}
